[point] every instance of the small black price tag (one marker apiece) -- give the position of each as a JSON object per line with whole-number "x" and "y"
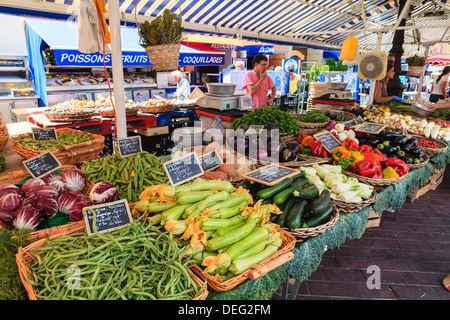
{"x": 42, "y": 164}
{"x": 210, "y": 161}
{"x": 108, "y": 216}
{"x": 329, "y": 141}
{"x": 44, "y": 134}
{"x": 183, "y": 169}
{"x": 373, "y": 128}
{"x": 271, "y": 174}
{"x": 129, "y": 146}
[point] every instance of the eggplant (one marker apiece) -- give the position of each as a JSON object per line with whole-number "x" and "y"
{"x": 391, "y": 150}
{"x": 409, "y": 144}
{"x": 391, "y": 136}
{"x": 416, "y": 152}
{"x": 374, "y": 142}
{"x": 408, "y": 160}
{"x": 287, "y": 155}
{"x": 401, "y": 140}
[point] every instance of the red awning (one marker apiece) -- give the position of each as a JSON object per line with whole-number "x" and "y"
{"x": 440, "y": 59}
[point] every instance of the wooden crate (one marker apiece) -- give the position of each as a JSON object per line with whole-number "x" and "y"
{"x": 432, "y": 184}
{"x": 374, "y": 219}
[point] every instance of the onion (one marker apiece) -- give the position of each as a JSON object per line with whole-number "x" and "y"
{"x": 262, "y": 155}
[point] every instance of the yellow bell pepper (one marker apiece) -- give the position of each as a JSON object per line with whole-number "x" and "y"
{"x": 390, "y": 173}
{"x": 355, "y": 156}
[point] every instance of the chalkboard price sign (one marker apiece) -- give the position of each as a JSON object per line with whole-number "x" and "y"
{"x": 44, "y": 134}
{"x": 370, "y": 128}
{"x": 271, "y": 174}
{"x": 210, "y": 161}
{"x": 329, "y": 141}
{"x": 183, "y": 169}
{"x": 42, "y": 164}
{"x": 108, "y": 216}
{"x": 129, "y": 146}
{"x": 351, "y": 123}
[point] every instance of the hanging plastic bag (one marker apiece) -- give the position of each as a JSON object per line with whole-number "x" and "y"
{"x": 349, "y": 48}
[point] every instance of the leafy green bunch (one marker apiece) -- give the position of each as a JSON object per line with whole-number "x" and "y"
{"x": 314, "y": 116}
{"x": 162, "y": 30}
{"x": 415, "y": 60}
{"x": 285, "y": 121}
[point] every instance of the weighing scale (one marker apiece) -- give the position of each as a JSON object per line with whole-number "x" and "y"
{"x": 333, "y": 97}
{"x": 223, "y": 102}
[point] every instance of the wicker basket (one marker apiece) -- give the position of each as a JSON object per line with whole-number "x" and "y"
{"x": 67, "y": 117}
{"x": 110, "y": 114}
{"x": 346, "y": 206}
{"x": 431, "y": 152}
{"x": 318, "y": 159}
{"x": 166, "y": 108}
{"x": 348, "y": 114}
{"x": 4, "y": 134}
{"x": 419, "y": 165}
{"x": 307, "y": 125}
{"x": 16, "y": 177}
{"x": 375, "y": 182}
{"x": 287, "y": 246}
{"x": 70, "y": 154}
{"x": 164, "y": 57}
{"x": 415, "y": 71}
{"x": 25, "y": 258}
{"x": 304, "y": 234}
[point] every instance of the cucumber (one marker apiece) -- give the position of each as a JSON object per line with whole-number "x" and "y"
{"x": 294, "y": 218}
{"x": 308, "y": 193}
{"x": 284, "y": 195}
{"x": 320, "y": 219}
{"x": 282, "y": 217}
{"x": 280, "y": 186}
{"x": 321, "y": 203}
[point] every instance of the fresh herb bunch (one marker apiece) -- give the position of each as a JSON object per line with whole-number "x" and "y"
{"x": 314, "y": 116}
{"x": 63, "y": 140}
{"x": 285, "y": 121}
{"x": 441, "y": 113}
{"x": 415, "y": 60}
{"x": 162, "y": 30}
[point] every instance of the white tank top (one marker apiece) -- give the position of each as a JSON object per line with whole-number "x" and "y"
{"x": 437, "y": 86}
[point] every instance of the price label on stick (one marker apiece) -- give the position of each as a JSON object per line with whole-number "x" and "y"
{"x": 108, "y": 216}
{"x": 271, "y": 174}
{"x": 129, "y": 146}
{"x": 210, "y": 161}
{"x": 44, "y": 134}
{"x": 329, "y": 141}
{"x": 183, "y": 169}
{"x": 351, "y": 123}
{"x": 42, "y": 164}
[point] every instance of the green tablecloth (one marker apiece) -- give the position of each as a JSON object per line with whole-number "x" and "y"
{"x": 352, "y": 225}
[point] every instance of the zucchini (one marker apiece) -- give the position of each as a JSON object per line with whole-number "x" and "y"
{"x": 231, "y": 201}
{"x": 225, "y": 213}
{"x": 308, "y": 193}
{"x": 294, "y": 218}
{"x": 284, "y": 195}
{"x": 206, "y": 185}
{"x": 320, "y": 219}
{"x": 321, "y": 203}
{"x": 212, "y": 199}
{"x": 174, "y": 213}
{"x": 192, "y": 196}
{"x": 256, "y": 236}
{"x": 280, "y": 186}
{"x": 213, "y": 224}
{"x": 282, "y": 217}
{"x": 225, "y": 230}
{"x": 240, "y": 265}
{"x": 257, "y": 248}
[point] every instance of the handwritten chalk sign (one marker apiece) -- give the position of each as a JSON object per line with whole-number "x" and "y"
{"x": 108, "y": 216}
{"x": 329, "y": 141}
{"x": 271, "y": 174}
{"x": 42, "y": 164}
{"x": 210, "y": 161}
{"x": 129, "y": 146}
{"x": 373, "y": 128}
{"x": 44, "y": 134}
{"x": 351, "y": 123}
{"x": 183, "y": 169}
{"x": 254, "y": 129}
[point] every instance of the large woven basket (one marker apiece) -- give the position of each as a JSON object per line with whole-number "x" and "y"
{"x": 155, "y": 109}
{"x": 287, "y": 246}
{"x": 4, "y": 134}
{"x": 70, "y": 154}
{"x": 419, "y": 165}
{"x": 164, "y": 57}
{"x": 431, "y": 152}
{"x": 415, "y": 71}
{"x": 346, "y": 206}
{"x": 25, "y": 258}
{"x": 304, "y": 234}
{"x": 375, "y": 182}
{"x": 18, "y": 176}
{"x": 346, "y": 113}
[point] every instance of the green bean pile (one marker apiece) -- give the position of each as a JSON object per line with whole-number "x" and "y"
{"x": 136, "y": 262}
{"x": 148, "y": 170}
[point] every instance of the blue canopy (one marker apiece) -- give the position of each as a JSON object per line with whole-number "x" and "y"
{"x": 255, "y": 49}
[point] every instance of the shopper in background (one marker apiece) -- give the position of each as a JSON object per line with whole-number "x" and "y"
{"x": 240, "y": 65}
{"x": 257, "y": 83}
{"x": 439, "y": 86}
{"x": 381, "y": 94}
{"x": 183, "y": 86}
{"x": 293, "y": 81}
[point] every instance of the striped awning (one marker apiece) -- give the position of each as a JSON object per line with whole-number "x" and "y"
{"x": 321, "y": 24}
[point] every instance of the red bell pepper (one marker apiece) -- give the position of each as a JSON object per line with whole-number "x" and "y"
{"x": 349, "y": 144}
{"x": 316, "y": 147}
{"x": 366, "y": 168}
{"x": 352, "y": 168}
{"x": 398, "y": 164}
{"x": 300, "y": 137}
{"x": 324, "y": 153}
{"x": 377, "y": 158}
{"x": 378, "y": 174}
{"x": 365, "y": 148}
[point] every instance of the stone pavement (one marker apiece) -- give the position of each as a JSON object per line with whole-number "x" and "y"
{"x": 411, "y": 256}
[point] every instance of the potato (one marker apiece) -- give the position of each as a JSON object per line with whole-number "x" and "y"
{"x": 214, "y": 175}
{"x": 229, "y": 169}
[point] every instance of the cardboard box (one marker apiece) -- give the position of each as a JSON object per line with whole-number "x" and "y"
{"x": 154, "y": 131}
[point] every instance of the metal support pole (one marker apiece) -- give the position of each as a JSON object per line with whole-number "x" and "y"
{"x": 422, "y": 75}
{"x": 117, "y": 68}
{"x": 372, "y": 82}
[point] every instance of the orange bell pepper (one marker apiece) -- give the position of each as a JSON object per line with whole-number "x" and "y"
{"x": 305, "y": 141}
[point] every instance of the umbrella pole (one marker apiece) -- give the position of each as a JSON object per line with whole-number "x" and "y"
{"x": 117, "y": 69}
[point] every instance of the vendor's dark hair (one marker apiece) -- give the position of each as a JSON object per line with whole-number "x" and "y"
{"x": 258, "y": 58}
{"x": 445, "y": 71}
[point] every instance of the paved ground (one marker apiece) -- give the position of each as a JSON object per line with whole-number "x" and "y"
{"x": 412, "y": 254}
